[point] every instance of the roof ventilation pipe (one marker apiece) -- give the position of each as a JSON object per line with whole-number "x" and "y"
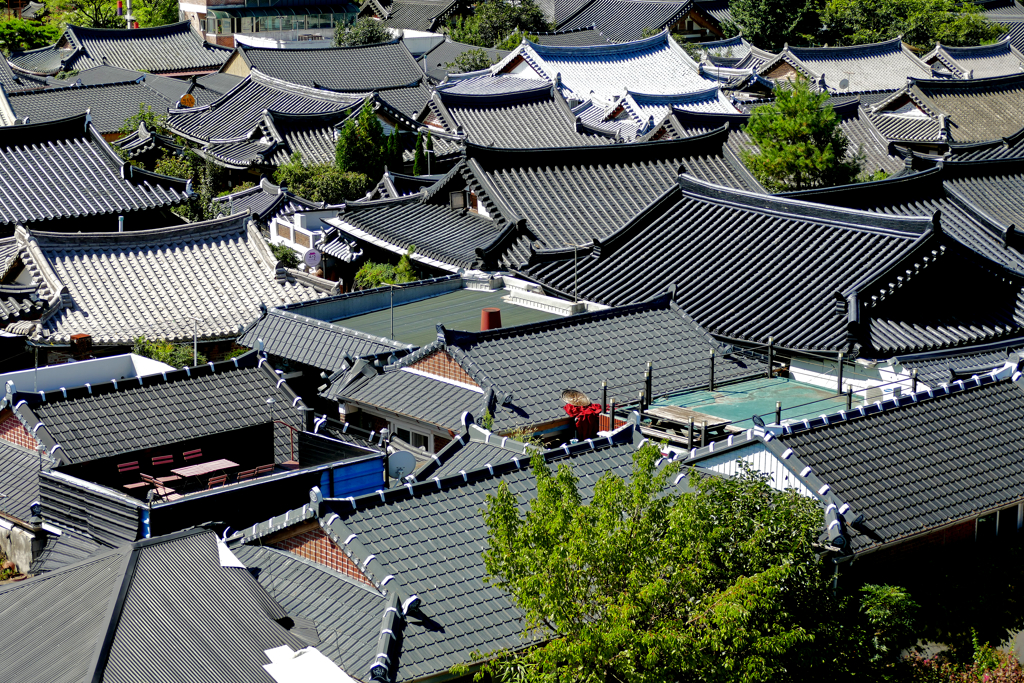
{"x": 120, "y": 223}
{"x": 490, "y": 319}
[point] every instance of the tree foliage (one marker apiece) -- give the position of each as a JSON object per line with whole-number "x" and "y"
{"x": 155, "y": 12}
{"x": 769, "y": 24}
{"x": 156, "y": 123}
{"x": 285, "y": 254}
{"x": 495, "y": 20}
{"x": 515, "y": 38}
{"x": 321, "y": 182}
{"x": 365, "y": 31}
{"x": 646, "y": 584}
{"x": 360, "y": 146}
{"x": 393, "y": 151}
{"x": 87, "y": 13}
{"x": 470, "y": 60}
{"x": 176, "y": 355}
{"x": 372, "y": 274}
{"x": 799, "y": 142}
{"x": 22, "y": 34}
{"x": 419, "y": 160}
{"x": 206, "y": 179}
{"x": 920, "y": 22}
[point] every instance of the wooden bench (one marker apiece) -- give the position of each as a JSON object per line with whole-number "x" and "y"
{"x": 124, "y": 468}
{"x": 219, "y": 480}
{"x": 163, "y": 461}
{"x": 192, "y": 455}
{"x": 264, "y": 469}
{"x": 165, "y": 492}
{"x": 246, "y": 475}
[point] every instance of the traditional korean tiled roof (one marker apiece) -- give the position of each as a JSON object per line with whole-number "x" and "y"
{"x": 1009, "y": 147}
{"x": 313, "y": 342}
{"x": 119, "y": 286}
{"x": 624, "y": 20}
{"x": 573, "y": 197}
{"x": 934, "y": 370}
{"x": 974, "y": 110}
{"x": 717, "y": 10}
{"x": 65, "y": 169}
{"x": 94, "y": 618}
{"x": 655, "y": 65}
{"x": 417, "y": 15}
{"x": 265, "y": 202}
{"x": 173, "y": 48}
{"x": 19, "y": 479}
{"x": 726, "y": 52}
{"x": 239, "y": 111}
{"x": 854, "y": 121}
{"x": 684, "y": 237}
{"x": 878, "y": 66}
{"x": 979, "y": 203}
{"x": 573, "y": 37}
{"x": 523, "y": 370}
{"x": 393, "y": 185}
{"x": 925, "y": 464}
{"x": 435, "y": 62}
{"x": 983, "y": 61}
{"x": 122, "y": 416}
{"x": 647, "y": 114}
{"x": 435, "y": 558}
{"x": 108, "y": 104}
{"x": 540, "y": 117}
{"x": 358, "y": 69}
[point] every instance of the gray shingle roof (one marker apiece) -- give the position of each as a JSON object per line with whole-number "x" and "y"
{"x": 925, "y": 464}
{"x": 435, "y": 62}
{"x": 109, "y": 104}
{"x": 878, "y": 66}
{"x": 527, "y": 367}
{"x": 104, "y": 284}
{"x": 239, "y": 111}
{"x": 653, "y": 65}
{"x": 977, "y": 201}
{"x": 112, "y": 418}
{"x": 437, "y": 557}
{"x": 19, "y": 479}
{"x": 62, "y": 550}
{"x": 173, "y": 48}
{"x": 578, "y": 37}
{"x": 359, "y": 69}
{"x": 65, "y": 169}
{"x": 410, "y": 394}
{"x": 982, "y": 61}
{"x": 717, "y": 10}
{"x": 975, "y": 110}
{"x": 418, "y": 15}
{"x": 575, "y": 197}
{"x": 934, "y": 370}
{"x": 540, "y": 117}
{"x": 688, "y": 238}
{"x": 265, "y": 201}
{"x": 437, "y": 231}
{"x": 318, "y": 344}
{"x": 625, "y": 20}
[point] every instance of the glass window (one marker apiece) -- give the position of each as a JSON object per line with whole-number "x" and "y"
{"x": 403, "y": 434}
{"x": 421, "y": 441}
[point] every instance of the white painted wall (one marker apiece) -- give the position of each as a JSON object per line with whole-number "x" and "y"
{"x": 78, "y": 373}
{"x": 761, "y": 460}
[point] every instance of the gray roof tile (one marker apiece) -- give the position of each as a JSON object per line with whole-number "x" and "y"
{"x": 623, "y": 20}
{"x": 109, "y": 104}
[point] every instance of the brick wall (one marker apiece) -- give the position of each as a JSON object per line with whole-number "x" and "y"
{"x": 13, "y": 431}
{"x": 314, "y": 545}
{"x": 603, "y": 422}
{"x": 440, "y": 364}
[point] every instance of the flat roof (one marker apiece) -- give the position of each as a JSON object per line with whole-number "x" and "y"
{"x": 414, "y": 322}
{"x": 742, "y": 400}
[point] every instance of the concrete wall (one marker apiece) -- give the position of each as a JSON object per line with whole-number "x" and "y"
{"x": 18, "y": 545}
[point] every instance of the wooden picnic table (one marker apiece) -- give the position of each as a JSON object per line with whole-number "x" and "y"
{"x": 673, "y": 422}
{"x": 204, "y": 468}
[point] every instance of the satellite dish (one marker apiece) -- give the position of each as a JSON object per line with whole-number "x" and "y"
{"x": 758, "y": 422}
{"x": 844, "y": 84}
{"x": 401, "y": 464}
{"x": 312, "y": 258}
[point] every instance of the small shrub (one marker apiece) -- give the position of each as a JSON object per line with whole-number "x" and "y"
{"x": 285, "y": 254}
{"x": 176, "y": 355}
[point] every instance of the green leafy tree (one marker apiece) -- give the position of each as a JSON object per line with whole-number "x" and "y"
{"x": 22, "y": 34}
{"x": 493, "y": 21}
{"x": 393, "y": 151}
{"x": 155, "y": 12}
{"x": 365, "y": 31}
{"x": 321, "y": 182}
{"x": 920, "y": 22}
{"x": 206, "y": 179}
{"x": 470, "y": 60}
{"x": 285, "y": 254}
{"x": 87, "y": 13}
{"x": 419, "y": 160}
{"x": 156, "y": 123}
{"x": 799, "y": 142}
{"x": 177, "y": 355}
{"x": 360, "y": 146}
{"x": 647, "y": 584}
{"x": 769, "y": 24}
{"x": 515, "y": 39}
{"x": 372, "y": 274}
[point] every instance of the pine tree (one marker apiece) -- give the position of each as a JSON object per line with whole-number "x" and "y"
{"x": 393, "y": 152}
{"x": 419, "y": 162}
{"x": 360, "y": 147}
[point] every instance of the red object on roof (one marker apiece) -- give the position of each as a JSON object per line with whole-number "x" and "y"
{"x": 586, "y": 418}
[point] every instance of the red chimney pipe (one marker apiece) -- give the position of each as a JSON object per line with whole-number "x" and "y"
{"x": 490, "y": 319}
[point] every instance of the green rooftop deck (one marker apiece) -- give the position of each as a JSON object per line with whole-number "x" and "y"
{"x": 740, "y": 401}
{"x": 414, "y": 323}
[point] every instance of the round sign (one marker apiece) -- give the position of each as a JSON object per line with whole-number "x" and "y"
{"x": 312, "y": 258}
{"x": 188, "y": 100}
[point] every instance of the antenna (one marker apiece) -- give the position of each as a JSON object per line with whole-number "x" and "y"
{"x": 844, "y": 84}
{"x": 400, "y": 464}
